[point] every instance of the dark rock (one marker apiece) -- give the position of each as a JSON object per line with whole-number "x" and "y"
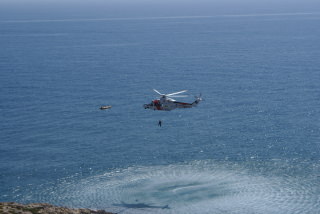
{"x": 43, "y": 208}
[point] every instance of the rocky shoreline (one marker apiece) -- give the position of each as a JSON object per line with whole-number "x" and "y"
{"x": 43, "y": 208}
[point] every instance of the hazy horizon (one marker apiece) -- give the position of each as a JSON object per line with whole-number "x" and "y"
{"x": 34, "y": 9}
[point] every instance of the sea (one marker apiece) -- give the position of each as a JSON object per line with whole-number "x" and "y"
{"x": 251, "y": 146}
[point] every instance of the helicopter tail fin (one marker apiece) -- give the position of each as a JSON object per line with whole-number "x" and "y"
{"x": 197, "y": 101}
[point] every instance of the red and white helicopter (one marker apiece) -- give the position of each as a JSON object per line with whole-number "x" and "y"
{"x": 166, "y": 103}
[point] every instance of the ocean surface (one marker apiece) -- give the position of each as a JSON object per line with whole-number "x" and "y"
{"x": 252, "y": 145}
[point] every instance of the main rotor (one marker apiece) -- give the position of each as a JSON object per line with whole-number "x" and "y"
{"x": 168, "y": 96}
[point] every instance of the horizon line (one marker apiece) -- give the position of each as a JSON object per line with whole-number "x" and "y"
{"x": 158, "y": 17}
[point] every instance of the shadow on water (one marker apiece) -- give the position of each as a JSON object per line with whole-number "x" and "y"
{"x": 140, "y": 206}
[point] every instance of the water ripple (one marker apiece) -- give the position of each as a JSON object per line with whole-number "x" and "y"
{"x": 194, "y": 187}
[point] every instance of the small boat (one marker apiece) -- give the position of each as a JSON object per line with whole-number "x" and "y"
{"x": 105, "y": 107}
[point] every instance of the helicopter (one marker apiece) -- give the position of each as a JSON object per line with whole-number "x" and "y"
{"x": 166, "y": 103}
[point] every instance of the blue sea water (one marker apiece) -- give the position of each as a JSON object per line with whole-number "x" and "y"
{"x": 252, "y": 145}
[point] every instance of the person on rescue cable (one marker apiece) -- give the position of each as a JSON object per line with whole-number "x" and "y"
{"x": 160, "y": 123}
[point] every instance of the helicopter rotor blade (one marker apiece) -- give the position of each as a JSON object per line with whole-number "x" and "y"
{"x": 178, "y": 96}
{"x": 179, "y": 92}
{"x": 157, "y": 92}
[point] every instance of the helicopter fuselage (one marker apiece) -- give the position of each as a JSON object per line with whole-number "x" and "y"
{"x": 168, "y": 105}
